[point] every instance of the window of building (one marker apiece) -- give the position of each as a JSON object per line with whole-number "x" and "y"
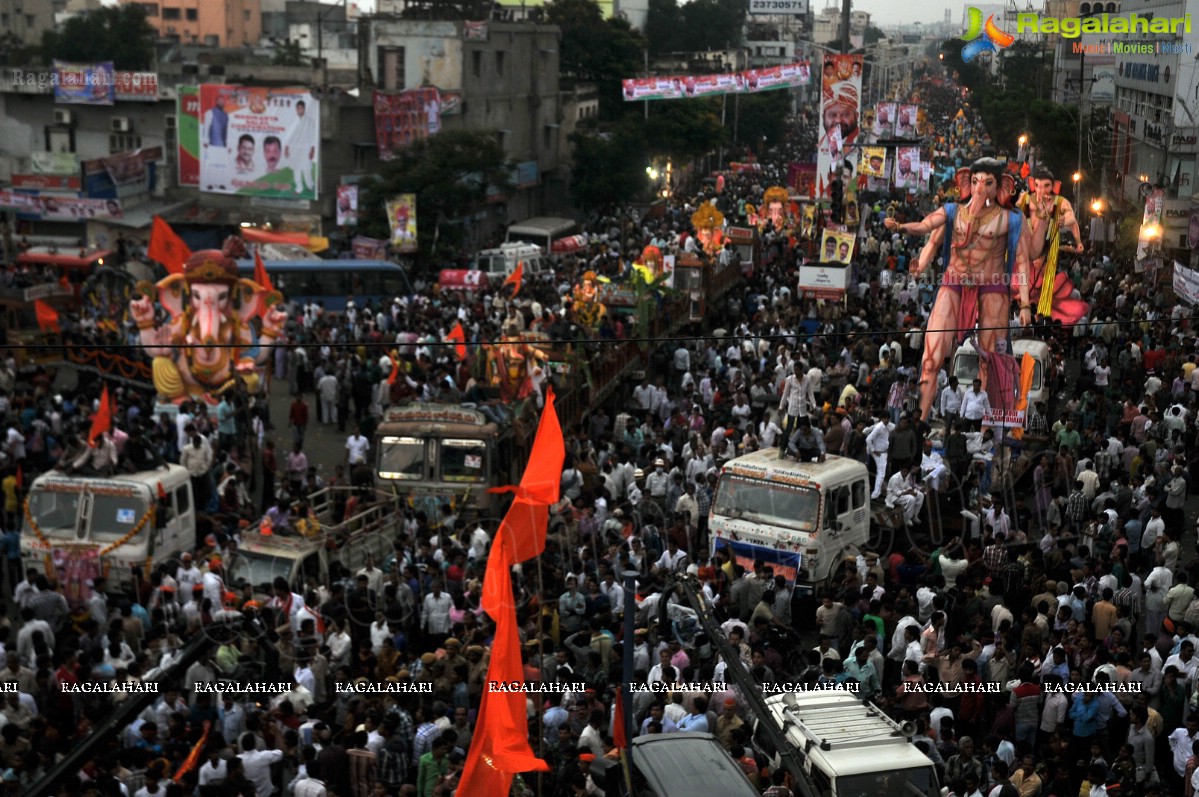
{"x": 192, "y": 14}
{"x": 151, "y": 9}
{"x": 123, "y": 142}
{"x": 245, "y": 15}
{"x": 499, "y": 63}
{"x": 476, "y": 63}
{"x": 171, "y": 14}
{"x": 3, "y": 20}
{"x": 391, "y": 68}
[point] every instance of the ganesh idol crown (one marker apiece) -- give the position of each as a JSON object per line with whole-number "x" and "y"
{"x": 217, "y": 328}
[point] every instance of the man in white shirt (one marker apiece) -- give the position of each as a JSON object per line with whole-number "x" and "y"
{"x": 357, "y": 448}
{"x": 903, "y": 493}
{"x": 932, "y": 467}
{"x": 975, "y": 405}
{"x": 951, "y": 400}
{"x": 878, "y": 443}
{"x": 257, "y": 765}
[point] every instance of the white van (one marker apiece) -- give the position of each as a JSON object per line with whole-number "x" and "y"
{"x": 541, "y": 231}
{"x": 965, "y": 364}
{"x": 498, "y": 264}
{"x": 802, "y": 518}
{"x": 82, "y": 516}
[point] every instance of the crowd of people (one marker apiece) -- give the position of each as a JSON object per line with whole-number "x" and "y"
{"x": 1080, "y": 580}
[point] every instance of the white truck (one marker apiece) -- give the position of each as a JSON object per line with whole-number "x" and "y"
{"x": 802, "y": 518}
{"x": 120, "y": 519}
{"x": 847, "y": 748}
{"x": 966, "y": 367}
{"x": 261, "y": 558}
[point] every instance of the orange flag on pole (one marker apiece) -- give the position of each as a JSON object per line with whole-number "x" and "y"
{"x": 102, "y": 420}
{"x": 193, "y": 758}
{"x": 1027, "y": 369}
{"x": 395, "y": 371}
{"x": 458, "y": 336}
{"x": 260, "y": 276}
{"x": 514, "y": 279}
{"x": 500, "y": 747}
{"x": 47, "y": 316}
{"x": 166, "y": 247}
{"x": 620, "y": 735}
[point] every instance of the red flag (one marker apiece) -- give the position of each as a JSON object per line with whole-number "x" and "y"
{"x": 395, "y": 371}
{"x": 193, "y": 758}
{"x": 458, "y": 336}
{"x": 20, "y": 477}
{"x": 166, "y": 247}
{"x": 102, "y": 420}
{"x": 515, "y": 278}
{"x": 260, "y": 275}
{"x": 162, "y": 494}
{"x": 47, "y": 316}
{"x": 620, "y": 736}
{"x": 500, "y": 747}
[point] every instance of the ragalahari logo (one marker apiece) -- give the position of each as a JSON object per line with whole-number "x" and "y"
{"x": 983, "y": 38}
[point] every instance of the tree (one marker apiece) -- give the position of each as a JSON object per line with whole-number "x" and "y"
{"x": 119, "y": 34}
{"x": 664, "y": 28}
{"x": 596, "y": 50}
{"x": 451, "y": 175}
{"x": 713, "y": 24}
{"x": 609, "y": 168}
{"x": 289, "y": 53}
{"x": 764, "y": 115}
{"x": 686, "y": 129}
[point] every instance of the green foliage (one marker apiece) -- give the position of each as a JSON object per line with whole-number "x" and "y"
{"x": 1124, "y": 250}
{"x": 664, "y": 27}
{"x": 686, "y": 129}
{"x": 119, "y": 34}
{"x": 764, "y": 115}
{"x": 609, "y": 168}
{"x": 697, "y": 26}
{"x": 450, "y": 174}
{"x": 289, "y": 53}
{"x": 872, "y": 35}
{"x": 597, "y": 51}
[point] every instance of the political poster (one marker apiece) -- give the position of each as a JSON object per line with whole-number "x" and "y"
{"x": 401, "y": 215}
{"x": 259, "y": 141}
{"x": 1186, "y": 283}
{"x": 907, "y": 168}
{"x": 884, "y": 121}
{"x": 135, "y": 86}
{"x": 906, "y": 121}
{"x": 187, "y": 132}
{"x": 840, "y": 105}
{"x": 873, "y": 162}
{"x": 347, "y": 205}
{"x": 836, "y": 247}
{"x": 402, "y": 118}
{"x": 84, "y": 84}
{"x": 57, "y": 207}
{"x": 750, "y": 81}
{"x": 369, "y": 248}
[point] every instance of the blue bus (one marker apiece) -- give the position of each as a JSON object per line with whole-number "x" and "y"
{"x": 332, "y": 282}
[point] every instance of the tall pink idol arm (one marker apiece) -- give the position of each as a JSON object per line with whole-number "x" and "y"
{"x": 929, "y": 252}
{"x": 1023, "y": 269}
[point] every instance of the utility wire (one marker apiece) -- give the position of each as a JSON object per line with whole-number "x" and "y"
{"x": 801, "y": 335}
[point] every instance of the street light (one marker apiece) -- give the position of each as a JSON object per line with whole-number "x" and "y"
{"x": 1097, "y": 207}
{"x": 1077, "y": 188}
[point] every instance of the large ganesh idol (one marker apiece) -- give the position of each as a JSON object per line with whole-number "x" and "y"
{"x": 709, "y": 228}
{"x": 776, "y": 209}
{"x": 210, "y": 336}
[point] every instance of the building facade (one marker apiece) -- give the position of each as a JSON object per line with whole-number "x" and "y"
{"x": 231, "y": 23}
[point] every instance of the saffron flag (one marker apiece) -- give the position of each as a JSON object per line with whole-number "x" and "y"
{"x": 395, "y": 371}
{"x": 514, "y": 279}
{"x": 166, "y": 247}
{"x": 102, "y": 420}
{"x": 500, "y": 747}
{"x": 47, "y": 316}
{"x": 193, "y": 758}
{"x": 260, "y": 276}
{"x": 458, "y": 336}
{"x": 620, "y": 735}
{"x": 1027, "y": 367}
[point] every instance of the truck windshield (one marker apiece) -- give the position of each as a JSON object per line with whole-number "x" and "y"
{"x": 767, "y": 503}
{"x": 256, "y": 569}
{"x": 54, "y": 511}
{"x": 965, "y": 367}
{"x": 904, "y": 783}
{"x": 402, "y": 458}
{"x": 113, "y": 516}
{"x": 463, "y": 460}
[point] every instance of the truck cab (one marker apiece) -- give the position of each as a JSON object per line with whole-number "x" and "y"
{"x": 800, "y": 517}
{"x": 848, "y": 748}
{"x": 498, "y": 264}
{"x": 669, "y": 764}
{"x": 123, "y": 520}
{"x": 445, "y": 453}
{"x": 261, "y": 558}
{"x": 966, "y": 365}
